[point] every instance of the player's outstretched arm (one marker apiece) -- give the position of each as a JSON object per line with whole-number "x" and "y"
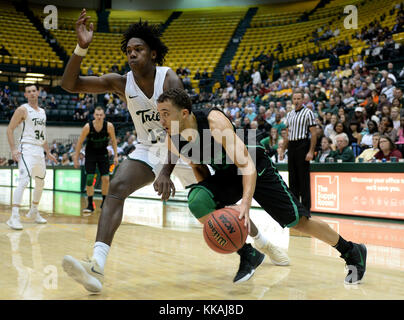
{"x": 73, "y": 82}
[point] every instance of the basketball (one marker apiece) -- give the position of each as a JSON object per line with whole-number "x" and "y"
{"x": 224, "y": 232}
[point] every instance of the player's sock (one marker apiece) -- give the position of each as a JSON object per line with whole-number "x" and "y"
{"x": 343, "y": 246}
{"x": 90, "y": 201}
{"x": 260, "y": 240}
{"x": 15, "y": 212}
{"x": 100, "y": 253}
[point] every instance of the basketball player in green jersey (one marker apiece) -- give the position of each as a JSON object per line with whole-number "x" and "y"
{"x": 242, "y": 172}
{"x": 97, "y": 132}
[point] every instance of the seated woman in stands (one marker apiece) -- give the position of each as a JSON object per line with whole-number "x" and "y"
{"x": 387, "y": 149}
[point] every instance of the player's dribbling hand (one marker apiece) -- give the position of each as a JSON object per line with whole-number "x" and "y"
{"x": 16, "y": 155}
{"x": 164, "y": 187}
{"x": 84, "y": 36}
{"x": 244, "y": 212}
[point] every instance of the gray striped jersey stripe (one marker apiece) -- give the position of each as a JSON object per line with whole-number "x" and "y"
{"x": 299, "y": 123}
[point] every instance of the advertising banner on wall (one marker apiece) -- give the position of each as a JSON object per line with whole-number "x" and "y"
{"x": 67, "y": 180}
{"x": 358, "y": 193}
{"x": 5, "y": 177}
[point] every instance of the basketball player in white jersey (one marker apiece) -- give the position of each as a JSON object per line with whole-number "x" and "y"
{"x": 29, "y": 154}
{"x": 140, "y": 88}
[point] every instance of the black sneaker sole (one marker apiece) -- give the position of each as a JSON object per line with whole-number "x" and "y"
{"x": 248, "y": 276}
{"x": 364, "y": 256}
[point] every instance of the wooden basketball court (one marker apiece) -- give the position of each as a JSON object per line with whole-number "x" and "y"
{"x": 170, "y": 260}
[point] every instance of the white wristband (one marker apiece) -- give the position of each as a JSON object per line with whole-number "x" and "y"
{"x": 80, "y": 51}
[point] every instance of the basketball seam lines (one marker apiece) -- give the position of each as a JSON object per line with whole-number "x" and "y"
{"x": 214, "y": 243}
{"x": 224, "y": 232}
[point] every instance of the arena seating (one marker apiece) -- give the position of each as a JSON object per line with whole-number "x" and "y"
{"x": 198, "y": 38}
{"x": 119, "y": 20}
{"x": 24, "y": 50}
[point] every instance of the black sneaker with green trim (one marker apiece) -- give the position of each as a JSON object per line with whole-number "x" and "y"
{"x": 356, "y": 263}
{"x": 250, "y": 259}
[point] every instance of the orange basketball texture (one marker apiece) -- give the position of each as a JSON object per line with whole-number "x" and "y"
{"x": 224, "y": 232}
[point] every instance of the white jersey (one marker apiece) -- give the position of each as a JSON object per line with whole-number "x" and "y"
{"x": 34, "y": 126}
{"x": 144, "y": 110}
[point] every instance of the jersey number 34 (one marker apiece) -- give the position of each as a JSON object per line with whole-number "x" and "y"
{"x": 39, "y": 135}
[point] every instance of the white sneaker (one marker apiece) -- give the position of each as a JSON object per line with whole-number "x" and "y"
{"x": 14, "y": 223}
{"x": 87, "y": 273}
{"x": 34, "y": 213}
{"x": 276, "y": 254}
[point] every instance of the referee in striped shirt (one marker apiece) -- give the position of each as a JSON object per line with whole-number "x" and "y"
{"x": 300, "y": 123}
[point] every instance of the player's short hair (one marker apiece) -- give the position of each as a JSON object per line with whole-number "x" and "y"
{"x": 177, "y": 97}
{"x": 99, "y": 108}
{"x": 150, "y": 34}
{"x": 30, "y": 85}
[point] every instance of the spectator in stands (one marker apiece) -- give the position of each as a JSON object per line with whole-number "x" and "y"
{"x": 79, "y": 111}
{"x": 5, "y": 101}
{"x": 52, "y": 103}
{"x": 256, "y": 77}
{"x": 382, "y": 102}
{"x": 398, "y": 94}
{"x": 343, "y": 151}
{"x": 270, "y": 143}
{"x": 395, "y": 115}
{"x": 359, "y": 63}
{"x": 329, "y": 128}
{"x": 90, "y": 71}
{"x": 246, "y": 123}
{"x": 179, "y": 71}
{"x": 263, "y": 73}
{"x": 400, "y": 136}
{"x": 359, "y": 116}
{"x": 4, "y": 51}
{"x": 354, "y": 134}
{"x": 281, "y": 148}
{"x": 364, "y": 92}
{"x": 387, "y": 149}
{"x": 263, "y": 126}
{"x": 387, "y": 129}
{"x": 331, "y": 106}
{"x": 197, "y": 75}
{"x": 325, "y": 151}
{"x": 347, "y": 71}
{"x": 367, "y": 139}
{"x": 65, "y": 160}
{"x": 388, "y": 90}
{"x": 334, "y": 60}
{"x": 389, "y": 51}
{"x": 338, "y": 129}
{"x": 368, "y": 154}
{"x": 398, "y": 27}
{"x": 278, "y": 124}
{"x": 187, "y": 82}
